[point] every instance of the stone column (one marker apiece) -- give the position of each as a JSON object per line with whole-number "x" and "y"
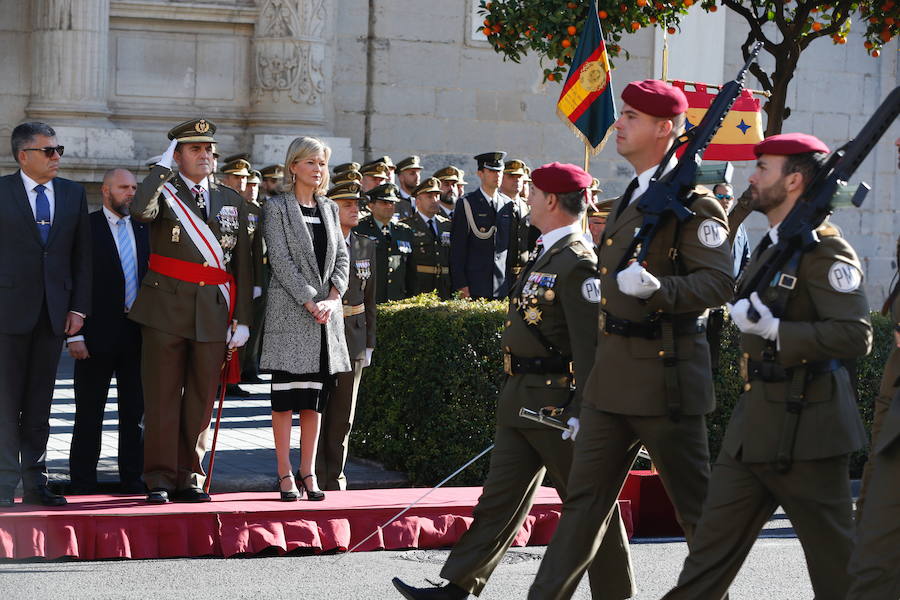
{"x": 69, "y": 50}
{"x": 291, "y": 72}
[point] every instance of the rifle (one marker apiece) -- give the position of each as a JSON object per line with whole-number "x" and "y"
{"x": 668, "y": 194}
{"x": 797, "y": 233}
{"x": 796, "y": 236}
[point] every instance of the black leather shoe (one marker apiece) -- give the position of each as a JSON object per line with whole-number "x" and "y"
{"x": 43, "y": 496}
{"x": 158, "y": 496}
{"x": 450, "y": 591}
{"x": 192, "y": 495}
{"x": 7, "y": 498}
{"x": 251, "y": 379}
{"x": 235, "y": 390}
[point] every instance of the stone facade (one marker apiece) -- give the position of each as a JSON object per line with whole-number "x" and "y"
{"x": 382, "y": 77}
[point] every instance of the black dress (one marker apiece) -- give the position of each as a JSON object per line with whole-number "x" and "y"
{"x": 308, "y": 391}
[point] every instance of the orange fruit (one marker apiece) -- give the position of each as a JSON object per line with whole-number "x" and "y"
{"x": 602, "y": 14}
{"x": 549, "y": 36}
{"x": 868, "y": 45}
{"x": 713, "y": 8}
{"x": 671, "y": 30}
{"x": 635, "y": 25}
{"x": 572, "y": 30}
{"x": 560, "y": 61}
{"x": 653, "y": 19}
{"x": 816, "y": 26}
{"x": 496, "y": 28}
{"x": 641, "y": 2}
{"x": 688, "y": 3}
{"x": 487, "y": 23}
{"x": 875, "y": 53}
{"x": 566, "y": 43}
{"x": 551, "y": 77}
{"x": 487, "y": 31}
{"x": 572, "y": 5}
{"x": 885, "y": 36}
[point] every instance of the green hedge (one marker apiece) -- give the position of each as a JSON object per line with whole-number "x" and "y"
{"x": 426, "y": 404}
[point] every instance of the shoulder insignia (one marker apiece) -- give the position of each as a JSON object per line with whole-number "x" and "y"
{"x": 844, "y": 277}
{"x": 580, "y": 249}
{"x": 711, "y": 233}
{"x": 590, "y": 290}
{"x": 827, "y": 229}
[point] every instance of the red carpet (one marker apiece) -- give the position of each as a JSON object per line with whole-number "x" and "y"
{"x": 103, "y": 527}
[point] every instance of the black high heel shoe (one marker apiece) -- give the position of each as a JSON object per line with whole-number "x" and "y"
{"x": 311, "y": 494}
{"x": 290, "y": 495}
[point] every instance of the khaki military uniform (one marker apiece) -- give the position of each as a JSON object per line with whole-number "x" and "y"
{"x": 184, "y": 326}
{"x": 825, "y": 319}
{"x": 626, "y": 401}
{"x": 554, "y": 304}
{"x": 430, "y": 256}
{"x": 359, "y": 331}
{"x": 395, "y": 276}
{"x": 250, "y": 352}
{"x": 873, "y": 564}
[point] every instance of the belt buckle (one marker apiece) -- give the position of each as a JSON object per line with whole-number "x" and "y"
{"x": 507, "y": 363}
{"x": 788, "y": 282}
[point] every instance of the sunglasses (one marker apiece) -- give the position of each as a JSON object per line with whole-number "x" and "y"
{"x": 724, "y": 196}
{"x": 48, "y": 151}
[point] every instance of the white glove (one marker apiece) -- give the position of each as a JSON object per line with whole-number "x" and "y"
{"x": 239, "y": 337}
{"x": 368, "y": 360}
{"x": 637, "y": 281}
{"x": 167, "y": 157}
{"x": 257, "y": 292}
{"x": 766, "y": 327}
{"x": 574, "y": 425}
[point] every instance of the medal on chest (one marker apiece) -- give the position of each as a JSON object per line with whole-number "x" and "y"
{"x": 251, "y": 223}
{"x": 538, "y": 285}
{"x": 363, "y": 269}
{"x": 228, "y": 219}
{"x": 176, "y": 234}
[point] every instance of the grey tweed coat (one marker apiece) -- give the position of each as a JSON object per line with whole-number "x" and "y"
{"x": 292, "y": 337}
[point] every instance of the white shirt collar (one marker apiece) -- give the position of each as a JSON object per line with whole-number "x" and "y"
{"x": 551, "y": 237}
{"x": 113, "y": 218}
{"x": 773, "y": 233}
{"x": 644, "y": 178}
{"x": 493, "y": 198}
{"x": 31, "y": 183}
{"x": 347, "y": 239}
{"x": 204, "y": 183}
{"x": 424, "y": 218}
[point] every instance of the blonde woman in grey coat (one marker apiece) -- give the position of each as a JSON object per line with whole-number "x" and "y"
{"x": 303, "y": 346}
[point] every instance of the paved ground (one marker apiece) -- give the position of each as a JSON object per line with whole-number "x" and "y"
{"x": 245, "y": 458}
{"x": 775, "y": 570}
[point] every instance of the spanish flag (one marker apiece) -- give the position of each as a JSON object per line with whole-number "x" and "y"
{"x": 586, "y": 101}
{"x": 741, "y": 129}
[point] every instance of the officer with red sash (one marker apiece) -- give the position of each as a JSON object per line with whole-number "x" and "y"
{"x": 193, "y": 304}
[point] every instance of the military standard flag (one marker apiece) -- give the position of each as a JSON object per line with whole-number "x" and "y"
{"x": 741, "y": 129}
{"x": 586, "y": 101}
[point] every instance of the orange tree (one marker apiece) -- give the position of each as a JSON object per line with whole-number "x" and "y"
{"x": 785, "y": 27}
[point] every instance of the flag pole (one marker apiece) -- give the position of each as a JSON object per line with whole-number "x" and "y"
{"x": 587, "y": 169}
{"x": 665, "y": 56}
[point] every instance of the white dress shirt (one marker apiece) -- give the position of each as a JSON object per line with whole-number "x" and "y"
{"x": 112, "y": 219}
{"x": 551, "y": 237}
{"x": 203, "y": 184}
{"x": 30, "y": 184}
{"x": 644, "y": 178}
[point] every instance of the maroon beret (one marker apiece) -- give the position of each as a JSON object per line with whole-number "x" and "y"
{"x": 560, "y": 178}
{"x": 786, "y": 144}
{"x": 655, "y": 97}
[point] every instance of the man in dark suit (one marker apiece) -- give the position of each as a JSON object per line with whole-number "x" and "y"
{"x": 45, "y": 292}
{"x": 110, "y": 343}
{"x": 482, "y": 226}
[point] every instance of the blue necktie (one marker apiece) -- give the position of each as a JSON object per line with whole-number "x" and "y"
{"x": 129, "y": 266}
{"x": 42, "y": 212}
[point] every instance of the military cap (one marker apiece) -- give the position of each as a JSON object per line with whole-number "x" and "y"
{"x": 239, "y": 156}
{"x": 215, "y": 149}
{"x": 349, "y": 190}
{"x": 386, "y": 160}
{"x": 195, "y": 130}
{"x": 786, "y": 144}
{"x": 238, "y": 166}
{"x": 432, "y": 184}
{"x": 491, "y": 160}
{"x": 348, "y": 166}
{"x": 375, "y": 169}
{"x": 461, "y": 174}
{"x": 346, "y": 176}
{"x": 273, "y": 172}
{"x": 410, "y": 162}
{"x": 655, "y": 97}
{"x": 153, "y": 160}
{"x": 561, "y": 178}
{"x": 601, "y": 208}
{"x": 595, "y": 186}
{"x": 514, "y": 167}
{"x": 385, "y": 191}
{"x": 527, "y": 178}
{"x": 255, "y": 176}
{"x": 447, "y": 174}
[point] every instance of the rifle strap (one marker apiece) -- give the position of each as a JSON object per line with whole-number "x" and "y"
{"x": 796, "y": 400}
{"x": 669, "y": 354}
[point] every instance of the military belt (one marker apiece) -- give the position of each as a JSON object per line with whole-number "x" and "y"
{"x": 350, "y": 311}
{"x": 650, "y": 330}
{"x": 518, "y": 365}
{"x": 772, "y": 372}
{"x": 433, "y": 270}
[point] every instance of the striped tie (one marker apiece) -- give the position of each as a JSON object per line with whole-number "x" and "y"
{"x": 129, "y": 266}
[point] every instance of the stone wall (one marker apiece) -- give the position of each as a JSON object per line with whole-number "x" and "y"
{"x": 268, "y": 70}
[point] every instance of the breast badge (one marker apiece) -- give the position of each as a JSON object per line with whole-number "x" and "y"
{"x": 176, "y": 234}
{"x": 363, "y": 269}
{"x": 532, "y": 315}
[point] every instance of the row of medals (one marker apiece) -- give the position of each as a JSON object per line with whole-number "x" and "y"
{"x": 538, "y": 285}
